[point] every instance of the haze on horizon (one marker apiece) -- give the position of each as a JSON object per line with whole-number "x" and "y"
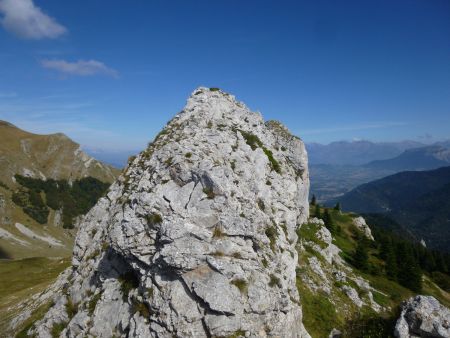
{"x": 111, "y": 74}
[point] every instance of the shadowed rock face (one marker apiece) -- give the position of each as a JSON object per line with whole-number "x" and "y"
{"x": 197, "y": 237}
{"x": 423, "y": 316}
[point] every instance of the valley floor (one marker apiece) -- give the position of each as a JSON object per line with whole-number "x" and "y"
{"x": 21, "y": 279}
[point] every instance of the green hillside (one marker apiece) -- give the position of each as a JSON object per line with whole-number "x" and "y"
{"x": 417, "y": 200}
{"x": 324, "y": 311}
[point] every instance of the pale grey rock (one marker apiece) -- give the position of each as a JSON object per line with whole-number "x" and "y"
{"x": 353, "y": 295}
{"x": 335, "y": 333}
{"x": 197, "y": 237}
{"x": 360, "y": 223}
{"x": 423, "y": 316}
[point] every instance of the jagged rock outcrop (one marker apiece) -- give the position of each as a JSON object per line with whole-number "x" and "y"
{"x": 327, "y": 272}
{"x": 361, "y": 224}
{"x": 197, "y": 237}
{"x": 423, "y": 316}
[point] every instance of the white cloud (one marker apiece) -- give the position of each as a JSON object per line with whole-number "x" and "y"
{"x": 27, "y": 21}
{"x": 80, "y": 67}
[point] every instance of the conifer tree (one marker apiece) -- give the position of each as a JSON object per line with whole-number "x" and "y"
{"x": 337, "y": 207}
{"x": 328, "y": 221}
{"x": 317, "y": 212}
{"x": 313, "y": 200}
{"x": 409, "y": 273}
{"x": 391, "y": 261}
{"x": 361, "y": 256}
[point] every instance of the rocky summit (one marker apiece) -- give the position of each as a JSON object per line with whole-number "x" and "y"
{"x": 196, "y": 238}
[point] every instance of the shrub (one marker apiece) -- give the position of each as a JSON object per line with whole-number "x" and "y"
{"x": 252, "y": 140}
{"x": 442, "y": 280}
{"x": 218, "y": 233}
{"x": 142, "y": 308}
{"x": 188, "y": 155}
{"x": 214, "y": 89}
{"x": 57, "y": 329}
{"x": 241, "y": 284}
{"x": 93, "y": 303}
{"x": 237, "y": 255}
{"x": 273, "y": 162}
{"x": 153, "y": 219}
{"x": 128, "y": 281}
{"x": 237, "y": 334}
{"x": 274, "y": 281}
{"x": 271, "y": 233}
{"x": 209, "y": 192}
{"x": 3, "y": 185}
{"x": 71, "y": 308}
{"x": 261, "y": 204}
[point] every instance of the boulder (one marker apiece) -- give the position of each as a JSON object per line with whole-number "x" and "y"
{"x": 423, "y": 316}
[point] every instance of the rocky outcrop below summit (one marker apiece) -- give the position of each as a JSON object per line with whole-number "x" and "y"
{"x": 198, "y": 236}
{"x": 423, "y": 316}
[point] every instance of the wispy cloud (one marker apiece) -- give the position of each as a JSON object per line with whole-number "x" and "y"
{"x": 365, "y": 126}
{"x": 80, "y": 67}
{"x": 24, "y": 19}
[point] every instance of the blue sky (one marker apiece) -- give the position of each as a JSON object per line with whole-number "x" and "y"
{"x": 111, "y": 73}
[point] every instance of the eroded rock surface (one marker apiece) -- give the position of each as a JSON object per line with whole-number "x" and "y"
{"x": 361, "y": 224}
{"x": 423, "y": 316}
{"x": 197, "y": 237}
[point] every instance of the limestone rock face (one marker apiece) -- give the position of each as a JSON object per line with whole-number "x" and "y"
{"x": 423, "y": 316}
{"x": 361, "y": 224}
{"x": 197, "y": 237}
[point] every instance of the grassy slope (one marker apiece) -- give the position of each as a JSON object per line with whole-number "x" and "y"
{"x": 322, "y": 313}
{"x": 37, "y": 248}
{"x": 21, "y": 279}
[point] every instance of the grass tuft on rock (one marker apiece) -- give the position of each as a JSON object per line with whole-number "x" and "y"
{"x": 271, "y": 233}
{"x": 241, "y": 284}
{"x": 209, "y": 192}
{"x": 128, "y": 282}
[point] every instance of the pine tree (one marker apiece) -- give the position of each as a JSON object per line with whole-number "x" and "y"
{"x": 361, "y": 256}
{"x": 317, "y": 212}
{"x": 391, "y": 261}
{"x": 337, "y": 207}
{"x": 313, "y": 200}
{"x": 409, "y": 273}
{"x": 328, "y": 221}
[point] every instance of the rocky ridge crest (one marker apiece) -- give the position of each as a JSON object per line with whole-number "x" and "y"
{"x": 197, "y": 237}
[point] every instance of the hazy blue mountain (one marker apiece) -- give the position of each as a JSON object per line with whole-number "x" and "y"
{"x": 424, "y": 158}
{"x": 356, "y": 152}
{"x": 418, "y": 200}
{"x": 330, "y": 181}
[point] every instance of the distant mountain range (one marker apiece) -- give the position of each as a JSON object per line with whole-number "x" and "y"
{"x": 337, "y": 174}
{"x": 424, "y": 158}
{"x": 40, "y": 191}
{"x": 356, "y": 152}
{"x": 418, "y": 200}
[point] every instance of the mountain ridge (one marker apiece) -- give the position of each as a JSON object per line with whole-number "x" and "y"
{"x": 417, "y": 200}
